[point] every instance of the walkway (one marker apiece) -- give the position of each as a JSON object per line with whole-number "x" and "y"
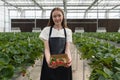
{"x": 79, "y": 67}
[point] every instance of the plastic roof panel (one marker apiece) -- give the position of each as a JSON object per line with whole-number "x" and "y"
{"x": 69, "y": 6}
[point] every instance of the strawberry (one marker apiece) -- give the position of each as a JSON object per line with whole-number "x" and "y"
{"x": 53, "y": 63}
{"x": 23, "y": 73}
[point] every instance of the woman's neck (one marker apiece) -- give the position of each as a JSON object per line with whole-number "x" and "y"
{"x": 58, "y": 27}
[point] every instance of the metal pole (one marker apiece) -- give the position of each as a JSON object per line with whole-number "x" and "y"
{"x": 4, "y": 18}
{"x": 97, "y": 15}
{"x": 35, "y": 17}
{"x": 9, "y": 20}
{"x": 83, "y": 70}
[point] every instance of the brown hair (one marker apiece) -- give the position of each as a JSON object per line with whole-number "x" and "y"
{"x": 51, "y": 23}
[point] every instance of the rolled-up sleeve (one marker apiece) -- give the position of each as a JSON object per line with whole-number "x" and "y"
{"x": 69, "y": 35}
{"x": 44, "y": 35}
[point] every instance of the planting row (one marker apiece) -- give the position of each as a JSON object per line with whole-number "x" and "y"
{"x": 104, "y": 58}
{"x": 109, "y": 36}
{"x": 17, "y": 52}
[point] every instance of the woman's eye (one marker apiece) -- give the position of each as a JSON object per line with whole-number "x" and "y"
{"x": 59, "y": 15}
{"x": 54, "y": 16}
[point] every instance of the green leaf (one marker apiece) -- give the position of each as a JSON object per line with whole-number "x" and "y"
{"x": 108, "y": 71}
{"x": 108, "y": 60}
{"x": 90, "y": 54}
{"x": 116, "y": 76}
{"x": 117, "y": 68}
{"x": 18, "y": 58}
{"x": 7, "y": 72}
{"x": 101, "y": 78}
{"x": 4, "y": 58}
{"x": 117, "y": 60}
{"x": 102, "y": 73}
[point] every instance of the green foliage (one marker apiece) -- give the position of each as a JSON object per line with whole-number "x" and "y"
{"x": 109, "y": 36}
{"x": 104, "y": 57}
{"x": 17, "y": 52}
{"x": 6, "y": 72}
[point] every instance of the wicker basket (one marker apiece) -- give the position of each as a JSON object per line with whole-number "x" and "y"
{"x": 59, "y": 59}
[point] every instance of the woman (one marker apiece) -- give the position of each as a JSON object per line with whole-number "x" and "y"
{"x": 57, "y": 38}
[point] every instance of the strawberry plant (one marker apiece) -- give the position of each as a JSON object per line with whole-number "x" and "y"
{"x": 17, "y": 52}
{"x": 104, "y": 58}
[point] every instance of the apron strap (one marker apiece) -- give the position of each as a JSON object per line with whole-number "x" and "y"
{"x": 50, "y": 32}
{"x": 65, "y": 34}
{"x": 65, "y": 37}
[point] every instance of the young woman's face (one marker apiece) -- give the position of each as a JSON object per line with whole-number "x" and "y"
{"x": 57, "y": 17}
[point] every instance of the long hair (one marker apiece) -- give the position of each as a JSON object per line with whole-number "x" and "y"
{"x": 51, "y": 23}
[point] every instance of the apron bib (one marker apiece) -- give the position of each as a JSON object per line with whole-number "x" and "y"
{"x": 57, "y": 44}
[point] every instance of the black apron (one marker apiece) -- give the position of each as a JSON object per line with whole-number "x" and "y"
{"x": 57, "y": 46}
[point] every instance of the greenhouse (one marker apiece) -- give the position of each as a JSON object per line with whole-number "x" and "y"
{"x": 92, "y": 38}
